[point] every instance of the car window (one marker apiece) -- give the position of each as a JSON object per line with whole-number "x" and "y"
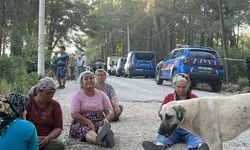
{"x": 144, "y": 56}
{"x": 168, "y": 56}
{"x": 175, "y": 54}
{"x": 203, "y": 54}
{"x": 181, "y": 52}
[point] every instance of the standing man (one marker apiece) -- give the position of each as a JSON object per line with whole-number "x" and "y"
{"x": 62, "y": 65}
{"x": 81, "y": 63}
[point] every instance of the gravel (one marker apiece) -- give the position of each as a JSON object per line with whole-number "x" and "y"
{"x": 138, "y": 122}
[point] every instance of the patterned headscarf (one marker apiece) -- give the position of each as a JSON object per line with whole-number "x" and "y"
{"x": 11, "y": 108}
{"x": 45, "y": 83}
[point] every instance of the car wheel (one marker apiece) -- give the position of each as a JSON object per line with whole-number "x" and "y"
{"x": 216, "y": 87}
{"x": 129, "y": 74}
{"x": 158, "y": 79}
{"x": 193, "y": 84}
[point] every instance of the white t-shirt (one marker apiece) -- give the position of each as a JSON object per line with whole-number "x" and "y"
{"x": 82, "y": 61}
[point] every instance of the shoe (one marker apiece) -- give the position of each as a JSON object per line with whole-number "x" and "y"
{"x": 59, "y": 87}
{"x": 147, "y": 145}
{"x": 63, "y": 87}
{"x": 115, "y": 119}
{"x": 203, "y": 146}
{"x": 109, "y": 139}
{"x": 104, "y": 131}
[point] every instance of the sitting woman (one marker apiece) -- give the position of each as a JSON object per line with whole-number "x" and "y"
{"x": 46, "y": 114}
{"x": 101, "y": 76}
{"x": 91, "y": 111}
{"x": 16, "y": 133}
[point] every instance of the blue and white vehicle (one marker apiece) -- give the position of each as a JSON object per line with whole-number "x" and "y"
{"x": 203, "y": 65}
{"x": 140, "y": 63}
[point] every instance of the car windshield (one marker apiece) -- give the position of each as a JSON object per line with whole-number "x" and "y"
{"x": 144, "y": 56}
{"x": 203, "y": 54}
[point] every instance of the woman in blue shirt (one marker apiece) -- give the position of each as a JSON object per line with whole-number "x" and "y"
{"x": 16, "y": 133}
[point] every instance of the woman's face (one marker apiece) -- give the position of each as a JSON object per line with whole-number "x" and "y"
{"x": 88, "y": 81}
{"x": 181, "y": 87}
{"x": 46, "y": 95}
{"x": 100, "y": 77}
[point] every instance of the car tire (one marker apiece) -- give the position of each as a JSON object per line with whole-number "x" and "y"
{"x": 158, "y": 79}
{"x": 193, "y": 84}
{"x": 216, "y": 87}
{"x": 129, "y": 74}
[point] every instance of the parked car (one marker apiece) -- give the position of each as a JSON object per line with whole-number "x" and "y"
{"x": 203, "y": 65}
{"x": 111, "y": 64}
{"x": 120, "y": 66}
{"x": 140, "y": 63}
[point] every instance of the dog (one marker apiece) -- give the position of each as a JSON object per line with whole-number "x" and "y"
{"x": 214, "y": 119}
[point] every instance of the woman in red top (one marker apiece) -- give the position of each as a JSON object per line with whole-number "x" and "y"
{"x": 46, "y": 114}
{"x": 182, "y": 86}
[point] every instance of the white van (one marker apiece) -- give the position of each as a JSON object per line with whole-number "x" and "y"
{"x": 111, "y": 64}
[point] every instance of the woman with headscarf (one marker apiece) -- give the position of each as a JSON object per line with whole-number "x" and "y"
{"x": 101, "y": 76}
{"x": 182, "y": 91}
{"x": 91, "y": 111}
{"x": 46, "y": 114}
{"x": 16, "y": 133}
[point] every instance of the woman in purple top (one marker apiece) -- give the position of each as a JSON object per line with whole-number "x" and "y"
{"x": 91, "y": 111}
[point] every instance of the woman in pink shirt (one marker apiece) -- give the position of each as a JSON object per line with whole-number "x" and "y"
{"x": 91, "y": 111}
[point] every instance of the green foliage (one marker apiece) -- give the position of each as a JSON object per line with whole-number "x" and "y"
{"x": 4, "y": 87}
{"x": 25, "y": 82}
{"x": 242, "y": 82}
{"x": 11, "y": 68}
{"x": 14, "y": 76}
{"x": 237, "y": 67}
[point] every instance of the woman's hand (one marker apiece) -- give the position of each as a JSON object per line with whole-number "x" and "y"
{"x": 43, "y": 141}
{"x": 91, "y": 125}
{"x": 105, "y": 120}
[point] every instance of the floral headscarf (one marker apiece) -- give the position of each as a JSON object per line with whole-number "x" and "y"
{"x": 45, "y": 83}
{"x": 11, "y": 108}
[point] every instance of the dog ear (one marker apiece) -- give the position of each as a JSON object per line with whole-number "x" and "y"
{"x": 180, "y": 111}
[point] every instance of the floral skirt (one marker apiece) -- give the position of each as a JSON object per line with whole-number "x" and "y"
{"x": 79, "y": 131}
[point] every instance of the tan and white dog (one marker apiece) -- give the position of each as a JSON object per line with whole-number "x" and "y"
{"x": 214, "y": 119}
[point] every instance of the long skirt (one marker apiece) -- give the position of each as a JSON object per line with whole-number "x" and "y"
{"x": 79, "y": 131}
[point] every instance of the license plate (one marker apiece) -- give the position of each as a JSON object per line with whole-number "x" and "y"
{"x": 205, "y": 68}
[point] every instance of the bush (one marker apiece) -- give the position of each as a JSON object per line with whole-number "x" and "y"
{"x": 4, "y": 87}
{"x": 14, "y": 76}
{"x": 242, "y": 81}
{"x": 25, "y": 83}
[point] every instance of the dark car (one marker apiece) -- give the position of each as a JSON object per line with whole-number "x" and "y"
{"x": 203, "y": 65}
{"x": 120, "y": 66}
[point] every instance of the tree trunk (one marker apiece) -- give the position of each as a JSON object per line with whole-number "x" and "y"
{"x": 224, "y": 41}
{"x": 52, "y": 27}
{"x": 2, "y": 22}
{"x": 17, "y": 28}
